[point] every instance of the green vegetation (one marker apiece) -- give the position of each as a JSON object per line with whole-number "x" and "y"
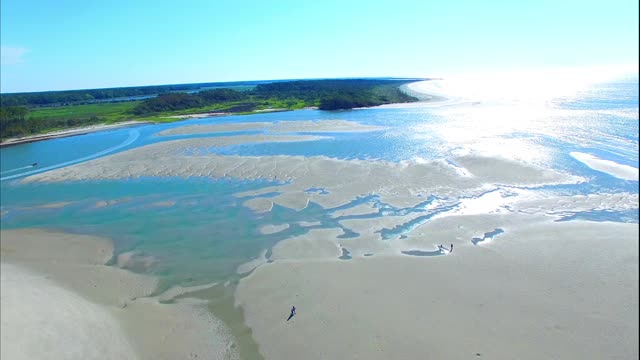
{"x": 337, "y": 94}
{"x": 324, "y": 94}
{"x": 67, "y": 97}
{"x": 16, "y": 120}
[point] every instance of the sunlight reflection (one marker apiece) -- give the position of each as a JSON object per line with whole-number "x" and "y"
{"x": 512, "y": 114}
{"x": 526, "y": 86}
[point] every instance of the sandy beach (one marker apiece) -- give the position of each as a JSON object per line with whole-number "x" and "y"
{"x": 212, "y": 114}
{"x": 543, "y": 291}
{"x": 42, "y": 320}
{"x": 522, "y": 282}
{"x": 335, "y": 126}
{"x": 59, "y": 301}
{"x": 68, "y": 132}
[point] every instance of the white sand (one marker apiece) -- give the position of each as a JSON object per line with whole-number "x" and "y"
{"x": 544, "y": 290}
{"x": 42, "y": 320}
{"x": 199, "y": 116}
{"x": 95, "y": 307}
{"x": 612, "y": 168}
{"x": 277, "y": 127}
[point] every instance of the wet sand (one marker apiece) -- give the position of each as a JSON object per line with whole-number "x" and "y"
{"x": 273, "y": 229}
{"x": 68, "y": 132}
{"x": 397, "y": 184}
{"x": 543, "y": 290}
{"x": 334, "y": 126}
{"x": 59, "y": 300}
{"x": 612, "y": 168}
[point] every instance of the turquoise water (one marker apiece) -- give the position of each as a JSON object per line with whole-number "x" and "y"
{"x": 205, "y": 233}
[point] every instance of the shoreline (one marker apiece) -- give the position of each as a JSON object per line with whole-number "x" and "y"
{"x": 413, "y": 89}
{"x": 539, "y": 291}
{"x": 199, "y": 115}
{"x": 426, "y": 98}
{"x": 101, "y": 127}
{"x": 217, "y": 114}
{"x": 91, "y": 306}
{"x": 69, "y": 132}
{"x": 77, "y": 329}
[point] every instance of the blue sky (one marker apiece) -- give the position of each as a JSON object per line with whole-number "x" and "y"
{"x": 72, "y": 44}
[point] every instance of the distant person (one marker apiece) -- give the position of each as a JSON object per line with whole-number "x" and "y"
{"x": 34, "y": 164}
{"x": 451, "y": 248}
{"x": 293, "y": 313}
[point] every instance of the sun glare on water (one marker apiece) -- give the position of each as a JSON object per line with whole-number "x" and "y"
{"x": 527, "y": 86}
{"x": 505, "y": 114}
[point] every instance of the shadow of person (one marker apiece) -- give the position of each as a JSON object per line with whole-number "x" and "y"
{"x": 290, "y": 316}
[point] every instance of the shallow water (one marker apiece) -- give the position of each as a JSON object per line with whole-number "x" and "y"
{"x": 196, "y": 230}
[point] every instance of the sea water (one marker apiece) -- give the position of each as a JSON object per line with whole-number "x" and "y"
{"x": 196, "y": 230}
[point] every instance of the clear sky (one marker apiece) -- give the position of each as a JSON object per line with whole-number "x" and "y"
{"x": 72, "y": 44}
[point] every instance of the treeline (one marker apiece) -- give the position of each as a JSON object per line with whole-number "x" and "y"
{"x": 83, "y": 96}
{"x": 338, "y": 94}
{"x": 325, "y": 94}
{"x": 181, "y": 101}
{"x": 18, "y": 121}
{"x": 315, "y": 89}
{"x": 15, "y": 122}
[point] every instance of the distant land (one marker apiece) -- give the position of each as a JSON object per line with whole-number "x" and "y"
{"x": 25, "y": 115}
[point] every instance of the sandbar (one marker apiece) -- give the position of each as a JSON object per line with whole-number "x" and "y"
{"x": 273, "y": 229}
{"x": 612, "y": 168}
{"x": 42, "y": 320}
{"x": 545, "y": 290}
{"x": 94, "y": 311}
{"x": 334, "y": 126}
{"x": 397, "y": 184}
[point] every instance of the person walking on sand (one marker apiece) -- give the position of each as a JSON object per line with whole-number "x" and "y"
{"x": 451, "y": 248}
{"x": 293, "y": 313}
